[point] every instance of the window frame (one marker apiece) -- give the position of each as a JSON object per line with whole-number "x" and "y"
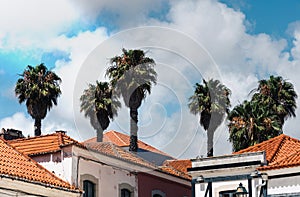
{"x": 128, "y": 187}
{"x": 89, "y": 184}
{"x": 158, "y": 192}
{"x": 92, "y": 179}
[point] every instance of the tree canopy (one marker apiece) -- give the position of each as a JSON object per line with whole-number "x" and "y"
{"x": 211, "y": 101}
{"x": 39, "y": 88}
{"x": 263, "y": 117}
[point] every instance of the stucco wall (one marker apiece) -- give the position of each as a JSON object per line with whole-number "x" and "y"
{"x": 109, "y": 178}
{"x": 60, "y": 163}
{"x": 147, "y": 183}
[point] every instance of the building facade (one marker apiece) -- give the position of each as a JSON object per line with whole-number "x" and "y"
{"x": 105, "y": 169}
{"x": 268, "y": 169}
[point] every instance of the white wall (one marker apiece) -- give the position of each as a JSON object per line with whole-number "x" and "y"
{"x": 108, "y": 177}
{"x": 59, "y": 162}
{"x": 61, "y": 169}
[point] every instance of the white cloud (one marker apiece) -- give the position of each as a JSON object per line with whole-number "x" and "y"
{"x": 28, "y": 24}
{"x": 18, "y": 121}
{"x": 242, "y": 59}
{"x": 219, "y": 35}
{"x": 79, "y": 48}
{"x": 119, "y": 14}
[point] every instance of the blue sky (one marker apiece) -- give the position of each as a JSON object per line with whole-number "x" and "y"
{"x": 244, "y": 40}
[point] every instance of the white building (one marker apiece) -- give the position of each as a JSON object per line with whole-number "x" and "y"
{"x": 271, "y": 168}
{"x": 106, "y": 168}
{"x": 22, "y": 176}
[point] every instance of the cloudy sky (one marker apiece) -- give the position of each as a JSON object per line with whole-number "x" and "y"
{"x": 236, "y": 41}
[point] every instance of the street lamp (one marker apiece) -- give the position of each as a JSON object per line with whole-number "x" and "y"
{"x": 241, "y": 191}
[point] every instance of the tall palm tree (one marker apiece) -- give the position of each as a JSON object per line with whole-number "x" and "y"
{"x": 132, "y": 75}
{"x": 251, "y": 123}
{"x": 279, "y": 95}
{"x": 211, "y": 101}
{"x": 39, "y": 88}
{"x": 100, "y": 105}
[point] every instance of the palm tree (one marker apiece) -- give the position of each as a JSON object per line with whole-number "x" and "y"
{"x": 279, "y": 95}
{"x": 251, "y": 123}
{"x": 39, "y": 88}
{"x": 211, "y": 101}
{"x": 100, "y": 105}
{"x": 132, "y": 75}
{"x": 263, "y": 117}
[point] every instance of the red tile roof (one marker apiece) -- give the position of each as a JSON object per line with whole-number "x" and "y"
{"x": 178, "y": 167}
{"x": 16, "y": 165}
{"x": 113, "y": 140}
{"x": 281, "y": 152}
{"x": 111, "y": 149}
{"x": 43, "y": 144}
{"x": 123, "y": 140}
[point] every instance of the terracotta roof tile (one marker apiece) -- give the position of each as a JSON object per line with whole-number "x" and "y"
{"x": 178, "y": 167}
{"x": 181, "y": 165}
{"x": 112, "y": 146}
{"x": 43, "y": 144}
{"x": 123, "y": 140}
{"x": 174, "y": 172}
{"x": 281, "y": 152}
{"x": 14, "y": 164}
{"x": 113, "y": 140}
{"x": 111, "y": 149}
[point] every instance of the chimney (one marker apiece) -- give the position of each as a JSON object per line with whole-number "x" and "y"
{"x": 11, "y": 134}
{"x": 61, "y": 131}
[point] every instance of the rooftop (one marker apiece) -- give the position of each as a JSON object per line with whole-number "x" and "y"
{"x": 178, "y": 167}
{"x": 122, "y": 140}
{"x": 145, "y": 151}
{"x": 14, "y": 164}
{"x": 43, "y": 144}
{"x": 115, "y": 145}
{"x": 113, "y": 150}
{"x": 281, "y": 152}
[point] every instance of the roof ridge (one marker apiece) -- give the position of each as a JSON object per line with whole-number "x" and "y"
{"x": 156, "y": 150}
{"x": 60, "y": 139}
{"x": 114, "y": 132}
{"x": 33, "y": 137}
{"x": 296, "y": 151}
{"x": 54, "y": 142}
{"x": 260, "y": 144}
{"x": 276, "y": 148}
{"x": 287, "y": 156}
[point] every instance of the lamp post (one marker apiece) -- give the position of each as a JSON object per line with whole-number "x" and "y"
{"x": 241, "y": 191}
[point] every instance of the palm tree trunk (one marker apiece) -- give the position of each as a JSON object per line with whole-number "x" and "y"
{"x": 37, "y": 127}
{"x": 133, "y": 129}
{"x": 99, "y": 135}
{"x": 210, "y": 142}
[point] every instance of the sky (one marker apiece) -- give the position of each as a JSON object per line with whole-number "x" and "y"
{"x": 236, "y": 41}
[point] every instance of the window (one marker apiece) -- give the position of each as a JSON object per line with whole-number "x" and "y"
{"x": 158, "y": 193}
{"x": 125, "y": 190}
{"x": 125, "y": 193}
{"x": 89, "y": 189}
{"x": 89, "y": 184}
{"x": 229, "y": 193}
